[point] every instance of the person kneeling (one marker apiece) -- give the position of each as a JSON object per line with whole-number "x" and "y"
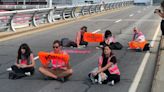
{"x": 59, "y": 70}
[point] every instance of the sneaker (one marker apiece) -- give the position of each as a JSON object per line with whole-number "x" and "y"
{"x": 99, "y": 79}
{"x": 101, "y": 46}
{"x": 9, "y": 69}
{"x": 111, "y": 83}
{"x": 27, "y": 73}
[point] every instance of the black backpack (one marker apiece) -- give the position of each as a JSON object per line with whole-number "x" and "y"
{"x": 146, "y": 47}
{"x": 116, "y": 46}
{"x": 65, "y": 42}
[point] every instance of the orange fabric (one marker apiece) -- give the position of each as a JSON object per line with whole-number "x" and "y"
{"x": 93, "y": 37}
{"x": 45, "y": 57}
{"x": 135, "y": 45}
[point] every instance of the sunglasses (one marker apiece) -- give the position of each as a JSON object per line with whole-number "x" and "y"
{"x": 55, "y": 47}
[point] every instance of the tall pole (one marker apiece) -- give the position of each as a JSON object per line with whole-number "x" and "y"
{"x": 151, "y": 2}
{"x": 24, "y": 2}
{"x": 50, "y": 3}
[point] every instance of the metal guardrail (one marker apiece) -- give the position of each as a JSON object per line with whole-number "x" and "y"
{"x": 11, "y": 20}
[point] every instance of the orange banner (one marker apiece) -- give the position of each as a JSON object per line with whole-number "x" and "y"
{"x": 93, "y": 37}
{"x": 45, "y": 57}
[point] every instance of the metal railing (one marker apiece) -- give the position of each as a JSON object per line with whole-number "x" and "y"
{"x": 11, "y": 20}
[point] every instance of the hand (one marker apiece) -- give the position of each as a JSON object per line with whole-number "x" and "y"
{"x": 23, "y": 66}
{"x": 103, "y": 76}
{"x": 95, "y": 73}
{"x": 18, "y": 65}
{"x": 157, "y": 11}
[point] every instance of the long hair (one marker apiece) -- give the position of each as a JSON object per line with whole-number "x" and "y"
{"x": 103, "y": 55}
{"x": 27, "y": 51}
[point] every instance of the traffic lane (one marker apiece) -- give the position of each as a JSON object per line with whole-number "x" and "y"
{"x": 122, "y": 18}
{"x": 40, "y": 42}
{"x": 60, "y": 32}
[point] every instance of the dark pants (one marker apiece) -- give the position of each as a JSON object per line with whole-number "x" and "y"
{"x": 103, "y": 43}
{"x": 83, "y": 43}
{"x": 111, "y": 77}
{"x": 22, "y": 70}
{"x": 73, "y": 44}
{"x": 162, "y": 27}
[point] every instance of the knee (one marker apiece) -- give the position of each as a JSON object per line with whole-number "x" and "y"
{"x": 70, "y": 71}
{"x": 41, "y": 69}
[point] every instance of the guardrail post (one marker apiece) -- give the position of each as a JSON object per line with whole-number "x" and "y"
{"x": 90, "y": 9}
{"x": 82, "y": 10}
{"x": 73, "y": 12}
{"x": 11, "y": 22}
{"x": 63, "y": 14}
{"x": 49, "y": 16}
{"x": 34, "y": 20}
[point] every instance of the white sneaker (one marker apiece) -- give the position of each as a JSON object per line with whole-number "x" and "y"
{"x": 111, "y": 83}
{"x": 9, "y": 69}
{"x": 99, "y": 79}
{"x": 28, "y": 73}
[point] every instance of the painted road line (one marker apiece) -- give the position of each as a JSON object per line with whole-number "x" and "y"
{"x": 138, "y": 76}
{"x": 96, "y": 31}
{"x": 131, "y": 15}
{"x": 35, "y": 58}
{"x": 118, "y": 21}
{"x": 153, "y": 41}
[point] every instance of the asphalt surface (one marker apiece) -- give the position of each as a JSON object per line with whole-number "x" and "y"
{"x": 119, "y": 22}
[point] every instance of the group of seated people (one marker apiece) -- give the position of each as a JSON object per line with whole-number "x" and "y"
{"x": 106, "y": 73}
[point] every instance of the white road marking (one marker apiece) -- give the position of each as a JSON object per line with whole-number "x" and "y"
{"x": 138, "y": 76}
{"x": 156, "y": 33}
{"x": 131, "y": 15}
{"x": 118, "y": 21}
{"x": 96, "y": 31}
{"x": 35, "y": 58}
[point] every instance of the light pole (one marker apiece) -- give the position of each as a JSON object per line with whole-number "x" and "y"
{"x": 49, "y": 3}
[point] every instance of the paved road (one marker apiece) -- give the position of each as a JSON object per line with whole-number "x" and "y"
{"x": 119, "y": 22}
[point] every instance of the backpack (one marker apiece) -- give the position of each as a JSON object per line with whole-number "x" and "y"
{"x": 65, "y": 42}
{"x": 116, "y": 46}
{"x": 146, "y": 47}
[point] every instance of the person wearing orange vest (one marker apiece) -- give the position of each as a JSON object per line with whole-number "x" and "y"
{"x": 59, "y": 69}
{"x": 138, "y": 41}
{"x": 108, "y": 70}
{"x": 79, "y": 37}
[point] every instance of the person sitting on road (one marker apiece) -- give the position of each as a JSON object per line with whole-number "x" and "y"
{"x": 108, "y": 71}
{"x": 108, "y": 38}
{"x": 24, "y": 64}
{"x": 138, "y": 41}
{"x": 79, "y": 37}
{"x": 59, "y": 70}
